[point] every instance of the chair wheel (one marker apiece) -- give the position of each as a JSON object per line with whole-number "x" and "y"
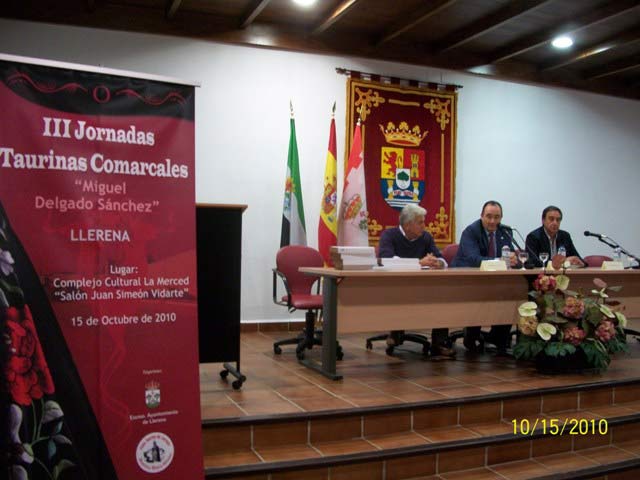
{"x": 224, "y": 373}
{"x": 369, "y": 345}
{"x": 277, "y": 350}
{"x": 389, "y": 350}
{"x": 236, "y": 385}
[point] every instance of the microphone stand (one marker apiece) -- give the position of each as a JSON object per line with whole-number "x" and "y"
{"x": 613, "y": 244}
{"x": 513, "y": 240}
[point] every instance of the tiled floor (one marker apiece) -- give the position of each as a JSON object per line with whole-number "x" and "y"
{"x": 278, "y": 384}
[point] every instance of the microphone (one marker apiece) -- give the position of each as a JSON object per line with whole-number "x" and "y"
{"x": 587, "y": 233}
{"x": 506, "y": 228}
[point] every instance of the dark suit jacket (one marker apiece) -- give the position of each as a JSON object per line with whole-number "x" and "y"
{"x": 537, "y": 242}
{"x": 474, "y": 245}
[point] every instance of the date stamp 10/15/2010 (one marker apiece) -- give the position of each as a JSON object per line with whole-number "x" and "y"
{"x": 560, "y": 426}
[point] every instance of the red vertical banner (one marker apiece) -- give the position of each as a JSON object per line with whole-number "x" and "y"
{"x": 409, "y": 144}
{"x": 98, "y": 274}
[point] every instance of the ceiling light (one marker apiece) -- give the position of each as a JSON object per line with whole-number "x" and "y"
{"x": 304, "y": 3}
{"x": 562, "y": 42}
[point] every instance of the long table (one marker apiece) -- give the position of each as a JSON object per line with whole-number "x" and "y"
{"x": 383, "y": 300}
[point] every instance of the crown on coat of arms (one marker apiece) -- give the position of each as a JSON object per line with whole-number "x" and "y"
{"x": 401, "y": 135}
{"x": 152, "y": 385}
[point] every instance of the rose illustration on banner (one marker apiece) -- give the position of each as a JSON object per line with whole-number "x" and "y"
{"x": 37, "y": 446}
{"x": 27, "y": 371}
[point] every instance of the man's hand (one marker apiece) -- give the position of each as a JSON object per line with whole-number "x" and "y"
{"x": 575, "y": 261}
{"x": 513, "y": 259}
{"x": 431, "y": 261}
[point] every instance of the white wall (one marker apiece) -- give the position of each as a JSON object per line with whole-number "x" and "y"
{"x": 523, "y": 145}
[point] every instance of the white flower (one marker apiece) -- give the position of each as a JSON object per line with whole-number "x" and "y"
{"x": 528, "y": 309}
{"x": 607, "y": 311}
{"x": 15, "y": 420}
{"x": 6, "y": 262}
{"x": 545, "y": 330}
{"x": 562, "y": 282}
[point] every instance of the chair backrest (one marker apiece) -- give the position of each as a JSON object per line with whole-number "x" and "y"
{"x": 596, "y": 260}
{"x": 292, "y": 257}
{"x": 449, "y": 252}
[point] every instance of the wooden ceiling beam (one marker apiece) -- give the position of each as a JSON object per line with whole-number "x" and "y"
{"x": 593, "y": 17}
{"x": 614, "y": 68}
{"x": 614, "y": 41}
{"x": 252, "y": 13}
{"x": 334, "y": 16}
{"x": 486, "y": 24}
{"x": 171, "y": 8}
{"x": 414, "y": 18}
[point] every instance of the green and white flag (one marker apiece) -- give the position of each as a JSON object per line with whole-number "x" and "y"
{"x": 294, "y": 231}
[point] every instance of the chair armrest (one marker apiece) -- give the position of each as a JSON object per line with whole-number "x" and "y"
{"x": 276, "y": 300}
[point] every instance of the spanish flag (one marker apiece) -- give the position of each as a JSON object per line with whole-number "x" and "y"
{"x": 328, "y": 224}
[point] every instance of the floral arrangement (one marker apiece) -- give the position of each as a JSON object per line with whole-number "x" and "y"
{"x": 560, "y": 322}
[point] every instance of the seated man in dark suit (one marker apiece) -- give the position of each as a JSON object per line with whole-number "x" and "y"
{"x": 550, "y": 239}
{"x": 483, "y": 240}
{"x": 410, "y": 240}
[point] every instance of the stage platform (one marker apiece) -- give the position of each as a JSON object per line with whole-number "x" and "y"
{"x": 408, "y": 416}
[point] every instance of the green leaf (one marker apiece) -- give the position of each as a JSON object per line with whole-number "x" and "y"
{"x": 549, "y": 301}
{"x": 51, "y": 449}
{"x": 592, "y": 315}
{"x": 52, "y": 411}
{"x": 616, "y": 288}
{"x": 559, "y": 349}
{"x": 61, "y": 466}
{"x": 61, "y": 439}
{"x": 595, "y": 356}
{"x": 607, "y": 311}
{"x": 571, "y": 293}
{"x": 527, "y": 347}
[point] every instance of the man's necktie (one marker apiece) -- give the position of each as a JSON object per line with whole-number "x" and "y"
{"x": 492, "y": 244}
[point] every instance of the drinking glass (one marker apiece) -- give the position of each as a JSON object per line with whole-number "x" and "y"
{"x": 544, "y": 256}
{"x": 523, "y": 256}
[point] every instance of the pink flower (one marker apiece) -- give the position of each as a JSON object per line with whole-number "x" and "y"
{"x": 605, "y": 331}
{"x": 573, "y": 308}
{"x": 573, "y": 335}
{"x": 545, "y": 283}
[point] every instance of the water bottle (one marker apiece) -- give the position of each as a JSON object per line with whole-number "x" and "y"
{"x": 506, "y": 256}
{"x": 617, "y": 254}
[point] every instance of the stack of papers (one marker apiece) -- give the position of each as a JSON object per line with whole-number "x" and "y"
{"x": 353, "y": 258}
{"x": 397, "y": 263}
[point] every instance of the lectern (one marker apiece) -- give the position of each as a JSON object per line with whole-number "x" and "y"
{"x": 218, "y": 245}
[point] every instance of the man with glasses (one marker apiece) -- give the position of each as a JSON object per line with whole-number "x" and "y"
{"x": 483, "y": 240}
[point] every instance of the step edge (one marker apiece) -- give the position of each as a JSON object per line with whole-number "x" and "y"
{"x": 453, "y": 402}
{"x": 388, "y": 454}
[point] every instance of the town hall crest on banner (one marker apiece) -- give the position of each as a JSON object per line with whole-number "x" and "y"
{"x": 402, "y": 164}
